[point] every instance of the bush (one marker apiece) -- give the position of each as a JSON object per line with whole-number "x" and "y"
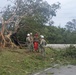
{"x": 71, "y": 51}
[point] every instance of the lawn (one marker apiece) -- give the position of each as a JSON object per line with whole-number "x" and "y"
{"x": 22, "y": 62}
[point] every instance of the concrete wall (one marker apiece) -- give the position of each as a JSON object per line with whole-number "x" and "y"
{"x": 59, "y": 45}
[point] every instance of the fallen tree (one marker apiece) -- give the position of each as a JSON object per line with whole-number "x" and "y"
{"x": 5, "y": 34}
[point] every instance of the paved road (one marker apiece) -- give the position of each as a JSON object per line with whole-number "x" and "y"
{"x": 64, "y": 70}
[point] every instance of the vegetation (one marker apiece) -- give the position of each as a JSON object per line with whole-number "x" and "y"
{"x": 70, "y": 52}
{"x": 28, "y": 16}
{"x": 22, "y": 62}
{"x": 32, "y": 16}
{"x": 35, "y": 15}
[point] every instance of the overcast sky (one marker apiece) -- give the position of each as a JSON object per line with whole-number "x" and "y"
{"x": 65, "y": 14}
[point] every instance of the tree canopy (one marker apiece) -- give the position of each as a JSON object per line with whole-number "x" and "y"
{"x": 33, "y": 16}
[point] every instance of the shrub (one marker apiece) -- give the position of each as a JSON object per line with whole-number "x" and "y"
{"x": 71, "y": 51}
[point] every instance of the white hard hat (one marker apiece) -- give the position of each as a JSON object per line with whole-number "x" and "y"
{"x": 28, "y": 34}
{"x": 42, "y": 36}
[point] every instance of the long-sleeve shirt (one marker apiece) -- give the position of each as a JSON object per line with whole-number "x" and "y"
{"x": 43, "y": 42}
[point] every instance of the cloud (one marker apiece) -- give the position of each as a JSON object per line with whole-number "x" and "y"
{"x": 66, "y": 13}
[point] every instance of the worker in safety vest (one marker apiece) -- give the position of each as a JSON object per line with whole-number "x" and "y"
{"x": 42, "y": 45}
{"x": 31, "y": 42}
{"x": 36, "y": 42}
{"x": 28, "y": 41}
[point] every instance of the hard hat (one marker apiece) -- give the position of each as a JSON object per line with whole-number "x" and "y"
{"x": 28, "y": 34}
{"x": 42, "y": 36}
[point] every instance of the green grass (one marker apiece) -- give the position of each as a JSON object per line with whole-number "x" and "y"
{"x": 22, "y": 62}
